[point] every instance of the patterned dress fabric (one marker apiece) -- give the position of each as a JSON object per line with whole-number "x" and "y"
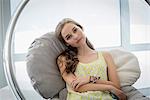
{"x": 94, "y": 68}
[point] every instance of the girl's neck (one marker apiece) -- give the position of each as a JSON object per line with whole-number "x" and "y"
{"x": 85, "y": 50}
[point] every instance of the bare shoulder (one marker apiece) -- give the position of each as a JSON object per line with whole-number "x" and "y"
{"x": 106, "y": 54}
{"x": 108, "y": 58}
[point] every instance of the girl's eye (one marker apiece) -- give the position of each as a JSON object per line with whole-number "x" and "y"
{"x": 68, "y": 37}
{"x": 75, "y": 30}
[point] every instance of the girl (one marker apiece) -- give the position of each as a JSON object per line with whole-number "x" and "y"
{"x": 89, "y": 74}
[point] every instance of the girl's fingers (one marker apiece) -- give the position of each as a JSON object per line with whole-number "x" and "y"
{"x": 75, "y": 83}
{"x": 72, "y": 83}
{"x": 78, "y": 85}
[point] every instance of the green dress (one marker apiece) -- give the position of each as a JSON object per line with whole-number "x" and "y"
{"x": 95, "y": 68}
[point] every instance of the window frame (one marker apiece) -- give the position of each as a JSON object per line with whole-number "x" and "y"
{"x": 4, "y": 21}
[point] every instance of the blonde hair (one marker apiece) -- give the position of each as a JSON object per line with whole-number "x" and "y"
{"x": 70, "y": 53}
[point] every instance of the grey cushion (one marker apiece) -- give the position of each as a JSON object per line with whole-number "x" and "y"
{"x": 63, "y": 94}
{"x": 45, "y": 75}
{"x": 41, "y": 65}
{"x": 133, "y": 94}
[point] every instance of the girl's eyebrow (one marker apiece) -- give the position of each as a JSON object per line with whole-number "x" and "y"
{"x": 73, "y": 28}
{"x": 67, "y": 35}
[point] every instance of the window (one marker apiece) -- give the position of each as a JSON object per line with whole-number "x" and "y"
{"x": 100, "y": 19}
{"x": 143, "y": 58}
{"x": 139, "y": 12}
{"x": 139, "y": 22}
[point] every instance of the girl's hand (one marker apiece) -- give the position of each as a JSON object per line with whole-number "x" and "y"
{"x": 75, "y": 84}
{"x": 120, "y": 94}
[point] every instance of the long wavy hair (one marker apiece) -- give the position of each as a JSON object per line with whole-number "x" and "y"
{"x": 70, "y": 52}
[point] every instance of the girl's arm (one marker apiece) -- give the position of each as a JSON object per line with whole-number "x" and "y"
{"x": 112, "y": 73}
{"x": 68, "y": 78}
{"x": 94, "y": 87}
{"x": 106, "y": 83}
{"x": 102, "y": 87}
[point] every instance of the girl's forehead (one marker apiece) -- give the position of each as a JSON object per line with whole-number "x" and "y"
{"x": 67, "y": 28}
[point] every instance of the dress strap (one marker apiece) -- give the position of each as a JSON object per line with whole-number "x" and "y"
{"x": 101, "y": 57}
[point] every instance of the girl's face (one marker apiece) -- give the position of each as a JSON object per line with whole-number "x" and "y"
{"x": 73, "y": 35}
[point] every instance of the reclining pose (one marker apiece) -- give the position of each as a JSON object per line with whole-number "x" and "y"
{"x": 89, "y": 74}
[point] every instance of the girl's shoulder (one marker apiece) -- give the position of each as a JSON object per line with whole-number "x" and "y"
{"x": 105, "y": 54}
